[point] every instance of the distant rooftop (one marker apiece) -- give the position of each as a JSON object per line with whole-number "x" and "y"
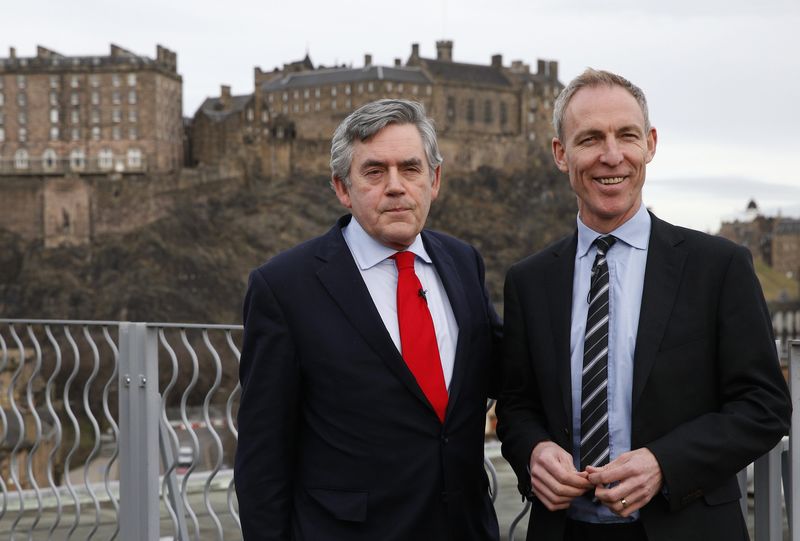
{"x": 50, "y": 60}
{"x": 333, "y": 76}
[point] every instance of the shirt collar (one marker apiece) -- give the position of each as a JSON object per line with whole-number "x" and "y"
{"x": 635, "y": 232}
{"x": 368, "y": 252}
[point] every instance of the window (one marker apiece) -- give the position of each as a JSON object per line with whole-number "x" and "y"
{"x": 470, "y": 110}
{"x": 75, "y": 134}
{"x": 269, "y": 98}
{"x": 531, "y": 118}
{"x": 116, "y": 115}
{"x": 49, "y": 159}
{"x": 296, "y": 94}
{"x": 74, "y": 81}
{"x": 20, "y": 82}
{"x": 53, "y": 99}
{"x": 54, "y": 133}
{"x": 333, "y": 104}
{"x": 132, "y": 97}
{"x": 285, "y": 109}
{"x": 347, "y": 89}
{"x": 370, "y": 87}
{"x": 333, "y": 91}
{"x": 400, "y": 87}
{"x": 503, "y": 113}
{"x": 428, "y": 90}
{"x": 306, "y": 107}
{"x": 487, "y": 112}
{"x": 285, "y": 96}
{"x": 414, "y": 89}
{"x": 54, "y": 116}
{"x": 22, "y": 135}
{"x": 306, "y": 93}
{"x": 22, "y": 99}
{"x": 94, "y": 80}
{"x": 264, "y": 116}
{"x": 451, "y": 108}
{"x": 360, "y": 88}
{"x": 115, "y": 99}
{"x": 105, "y": 159}
{"x": 74, "y": 116}
{"x": 134, "y": 158}
{"x": 54, "y": 81}
{"x": 75, "y": 98}
{"x": 2, "y": 134}
{"x": 116, "y": 133}
{"x": 22, "y": 118}
{"x": 77, "y": 159}
{"x": 115, "y": 80}
{"x": 316, "y": 93}
{"x": 388, "y": 86}
{"x": 95, "y": 133}
{"x": 95, "y": 116}
{"x": 95, "y": 97}
{"x": 131, "y": 115}
{"x": 21, "y": 159}
{"x": 133, "y": 134}
{"x": 131, "y": 79}
{"x": 296, "y": 107}
{"x": 2, "y": 98}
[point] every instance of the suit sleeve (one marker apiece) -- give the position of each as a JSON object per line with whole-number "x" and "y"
{"x": 520, "y": 419}
{"x": 265, "y": 453}
{"x": 701, "y": 454}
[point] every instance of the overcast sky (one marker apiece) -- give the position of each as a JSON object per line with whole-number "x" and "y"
{"x": 722, "y": 76}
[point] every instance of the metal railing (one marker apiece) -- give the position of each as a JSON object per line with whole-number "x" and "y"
{"x": 118, "y": 430}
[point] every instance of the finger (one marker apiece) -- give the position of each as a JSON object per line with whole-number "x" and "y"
{"x": 560, "y": 484}
{"x": 550, "y": 499}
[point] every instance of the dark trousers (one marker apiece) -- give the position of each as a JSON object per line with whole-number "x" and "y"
{"x": 585, "y": 531}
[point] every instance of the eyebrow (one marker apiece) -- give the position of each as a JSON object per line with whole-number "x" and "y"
{"x": 593, "y": 131}
{"x": 378, "y": 163}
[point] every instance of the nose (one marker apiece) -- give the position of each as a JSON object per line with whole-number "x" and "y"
{"x": 394, "y": 182}
{"x": 612, "y": 155}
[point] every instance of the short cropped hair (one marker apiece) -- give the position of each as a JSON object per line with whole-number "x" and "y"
{"x": 368, "y": 120}
{"x": 593, "y": 78}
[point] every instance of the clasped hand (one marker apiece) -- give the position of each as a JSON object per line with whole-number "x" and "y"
{"x": 624, "y": 485}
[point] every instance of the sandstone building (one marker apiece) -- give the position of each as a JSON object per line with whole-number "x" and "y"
{"x": 494, "y": 114}
{"x": 90, "y": 114}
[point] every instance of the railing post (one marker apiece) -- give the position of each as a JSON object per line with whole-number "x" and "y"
{"x": 138, "y": 433}
{"x": 793, "y": 490}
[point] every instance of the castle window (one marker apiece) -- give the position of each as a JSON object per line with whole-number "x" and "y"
{"x": 269, "y": 98}
{"x": 285, "y": 109}
{"x": 76, "y": 134}
{"x": 94, "y": 80}
{"x": 54, "y": 116}
{"x": 333, "y": 91}
{"x": 74, "y": 116}
{"x": 264, "y": 116}
{"x": 22, "y": 118}
{"x": 131, "y": 79}
{"x": 296, "y": 94}
{"x": 54, "y": 133}
{"x": 306, "y": 107}
{"x": 531, "y": 136}
{"x": 115, "y": 80}
{"x": 21, "y": 82}
{"x": 134, "y": 158}
{"x": 414, "y": 89}
{"x": 370, "y": 87}
{"x": 316, "y": 93}
{"x": 487, "y": 112}
{"x": 316, "y": 106}
{"x": 22, "y": 100}
{"x": 115, "y": 98}
{"x": 132, "y": 115}
{"x": 451, "y": 108}
{"x": 531, "y": 118}
{"x": 348, "y": 104}
{"x": 49, "y": 159}
{"x": 428, "y": 90}
{"x": 21, "y": 159}
{"x": 470, "y": 110}
{"x": 95, "y": 116}
{"x": 2, "y": 134}
{"x": 388, "y": 86}
{"x": 285, "y": 96}
{"x": 333, "y": 104}
{"x": 250, "y": 114}
{"x": 306, "y": 93}
{"x": 116, "y": 133}
{"x": 95, "y": 133}
{"x": 2, "y": 98}
{"x": 22, "y": 135}
{"x": 105, "y": 159}
{"x": 530, "y": 86}
{"x": 360, "y": 88}
{"x": 296, "y": 108}
{"x": 116, "y": 115}
{"x": 503, "y": 113}
{"x": 347, "y": 89}
{"x": 399, "y": 87}
{"x": 132, "y": 97}
{"x": 95, "y": 97}
{"x": 54, "y": 81}
{"x": 77, "y": 159}
{"x": 133, "y": 134}
{"x": 74, "y": 81}
{"x": 75, "y": 98}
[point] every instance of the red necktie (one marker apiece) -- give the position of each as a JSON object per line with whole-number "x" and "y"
{"x": 417, "y": 335}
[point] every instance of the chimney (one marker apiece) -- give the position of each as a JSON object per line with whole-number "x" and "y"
{"x": 553, "y": 69}
{"x": 541, "y": 67}
{"x": 444, "y": 50}
{"x": 497, "y": 61}
{"x": 398, "y": 62}
{"x": 367, "y": 60}
{"x": 225, "y": 95}
{"x": 12, "y": 53}
{"x": 415, "y": 50}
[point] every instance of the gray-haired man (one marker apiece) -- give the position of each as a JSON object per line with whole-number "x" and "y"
{"x": 365, "y": 373}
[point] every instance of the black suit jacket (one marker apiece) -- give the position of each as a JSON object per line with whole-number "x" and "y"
{"x": 708, "y": 395}
{"x": 336, "y": 439}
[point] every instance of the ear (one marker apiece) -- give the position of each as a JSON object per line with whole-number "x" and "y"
{"x": 652, "y": 139}
{"x": 436, "y": 182}
{"x": 342, "y": 193}
{"x": 559, "y": 155}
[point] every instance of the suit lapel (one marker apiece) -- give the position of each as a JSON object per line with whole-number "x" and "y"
{"x": 559, "y": 298}
{"x": 446, "y": 268}
{"x": 340, "y": 276}
{"x": 665, "y": 260}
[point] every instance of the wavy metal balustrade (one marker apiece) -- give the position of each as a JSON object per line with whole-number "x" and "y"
{"x": 143, "y": 449}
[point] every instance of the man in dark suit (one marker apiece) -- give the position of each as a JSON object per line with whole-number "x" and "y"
{"x": 640, "y": 369}
{"x": 359, "y": 419}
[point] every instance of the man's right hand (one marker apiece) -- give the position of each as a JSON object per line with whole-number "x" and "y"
{"x": 554, "y": 479}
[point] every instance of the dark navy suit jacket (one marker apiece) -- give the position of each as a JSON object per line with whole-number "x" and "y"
{"x": 336, "y": 439}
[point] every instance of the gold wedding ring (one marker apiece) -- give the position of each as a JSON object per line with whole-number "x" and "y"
{"x": 624, "y": 503}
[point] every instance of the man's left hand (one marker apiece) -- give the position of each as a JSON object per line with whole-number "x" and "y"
{"x": 635, "y": 477}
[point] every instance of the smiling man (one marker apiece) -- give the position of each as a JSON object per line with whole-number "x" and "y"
{"x": 368, "y": 358}
{"x": 640, "y": 369}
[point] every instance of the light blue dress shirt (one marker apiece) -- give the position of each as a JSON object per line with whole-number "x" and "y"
{"x": 626, "y": 265}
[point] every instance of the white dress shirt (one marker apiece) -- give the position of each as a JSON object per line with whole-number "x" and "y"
{"x": 380, "y": 275}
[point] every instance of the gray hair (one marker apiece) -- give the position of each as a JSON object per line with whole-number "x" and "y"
{"x": 594, "y": 78}
{"x": 368, "y": 120}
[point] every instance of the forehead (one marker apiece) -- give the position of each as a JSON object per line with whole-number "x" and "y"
{"x": 602, "y": 107}
{"x": 401, "y": 140}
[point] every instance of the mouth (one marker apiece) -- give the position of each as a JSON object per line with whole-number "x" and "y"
{"x": 609, "y": 181}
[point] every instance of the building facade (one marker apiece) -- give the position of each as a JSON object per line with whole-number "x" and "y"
{"x": 90, "y": 114}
